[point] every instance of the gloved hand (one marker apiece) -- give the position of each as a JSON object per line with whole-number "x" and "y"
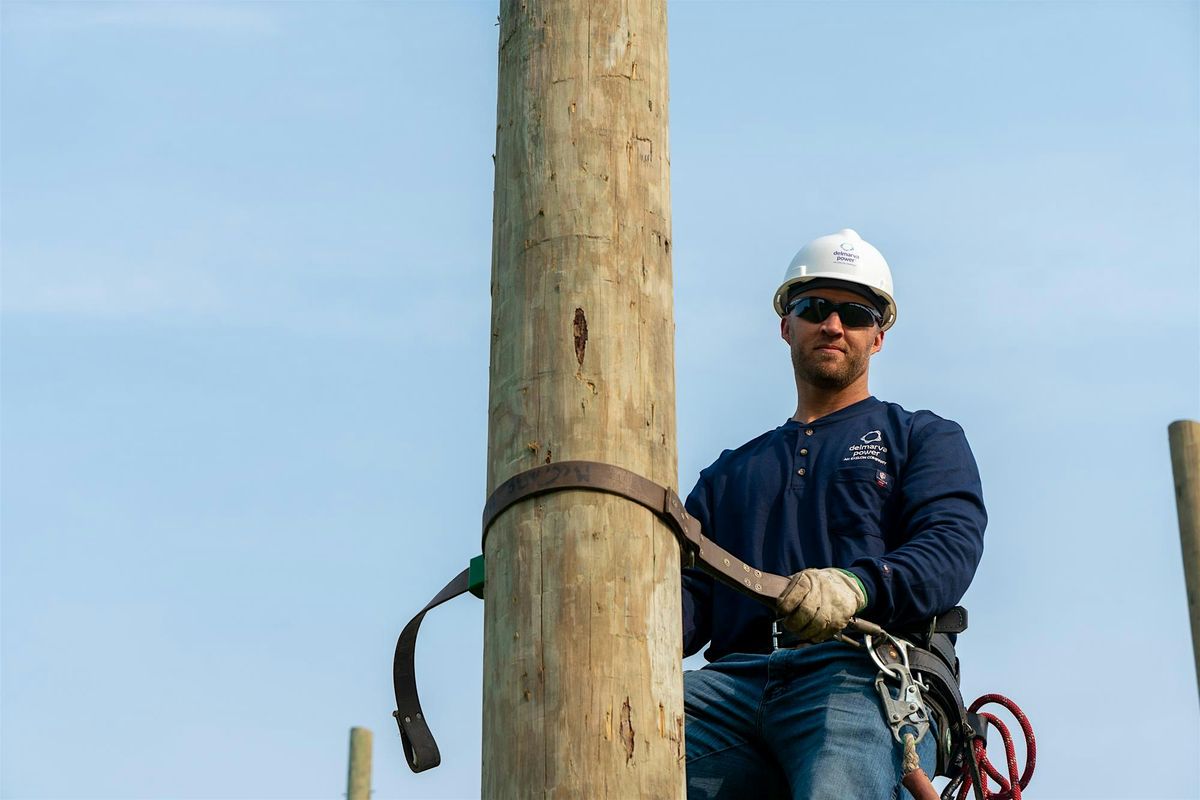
{"x": 818, "y": 603}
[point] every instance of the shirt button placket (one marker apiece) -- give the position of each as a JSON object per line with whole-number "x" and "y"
{"x": 802, "y": 471}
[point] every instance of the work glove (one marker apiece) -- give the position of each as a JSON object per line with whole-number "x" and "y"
{"x": 818, "y": 603}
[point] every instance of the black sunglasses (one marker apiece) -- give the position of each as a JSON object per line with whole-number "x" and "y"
{"x": 817, "y": 309}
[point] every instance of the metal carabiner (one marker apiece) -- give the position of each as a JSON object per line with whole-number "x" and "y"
{"x": 907, "y": 709}
{"x": 898, "y": 650}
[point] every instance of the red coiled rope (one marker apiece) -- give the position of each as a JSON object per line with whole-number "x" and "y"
{"x": 1009, "y": 789}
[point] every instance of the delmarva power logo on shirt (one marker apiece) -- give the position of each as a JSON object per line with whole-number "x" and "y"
{"x": 871, "y": 449}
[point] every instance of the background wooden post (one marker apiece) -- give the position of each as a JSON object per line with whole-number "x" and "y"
{"x": 583, "y": 688}
{"x": 1184, "y": 436}
{"x": 358, "y": 780}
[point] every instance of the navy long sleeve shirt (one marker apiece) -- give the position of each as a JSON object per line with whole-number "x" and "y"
{"x": 891, "y": 495}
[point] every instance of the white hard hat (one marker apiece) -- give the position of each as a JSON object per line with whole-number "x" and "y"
{"x": 841, "y": 256}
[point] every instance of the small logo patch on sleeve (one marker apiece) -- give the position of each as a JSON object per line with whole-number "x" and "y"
{"x": 882, "y": 479}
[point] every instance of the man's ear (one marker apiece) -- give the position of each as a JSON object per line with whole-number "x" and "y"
{"x": 785, "y": 330}
{"x": 877, "y": 345}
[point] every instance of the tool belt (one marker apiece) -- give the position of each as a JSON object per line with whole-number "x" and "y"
{"x": 928, "y": 654}
{"x": 930, "y": 650}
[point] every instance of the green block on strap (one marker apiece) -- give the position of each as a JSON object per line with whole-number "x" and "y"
{"x": 475, "y": 576}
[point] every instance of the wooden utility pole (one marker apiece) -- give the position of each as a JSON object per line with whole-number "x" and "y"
{"x": 1184, "y": 436}
{"x": 583, "y": 688}
{"x": 358, "y": 779}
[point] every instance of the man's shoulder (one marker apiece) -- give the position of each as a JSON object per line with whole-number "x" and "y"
{"x": 919, "y": 422}
{"x": 749, "y": 450}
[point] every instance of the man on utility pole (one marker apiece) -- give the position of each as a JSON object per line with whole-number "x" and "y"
{"x": 873, "y": 510}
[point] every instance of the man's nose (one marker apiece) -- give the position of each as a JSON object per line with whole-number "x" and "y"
{"x": 832, "y": 325}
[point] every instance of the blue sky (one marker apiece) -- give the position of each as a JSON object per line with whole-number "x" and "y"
{"x": 244, "y": 373}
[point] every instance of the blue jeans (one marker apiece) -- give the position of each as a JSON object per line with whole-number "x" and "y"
{"x": 805, "y": 724}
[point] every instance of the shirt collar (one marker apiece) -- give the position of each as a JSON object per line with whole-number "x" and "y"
{"x": 853, "y": 410}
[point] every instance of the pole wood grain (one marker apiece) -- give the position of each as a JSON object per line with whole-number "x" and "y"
{"x": 1184, "y": 437}
{"x": 582, "y": 680}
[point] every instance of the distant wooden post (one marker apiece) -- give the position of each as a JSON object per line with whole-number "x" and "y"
{"x": 358, "y": 782}
{"x": 1184, "y": 436}
{"x": 583, "y": 688}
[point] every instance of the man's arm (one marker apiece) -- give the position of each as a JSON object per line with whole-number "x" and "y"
{"x": 697, "y": 586}
{"x": 943, "y": 519}
{"x": 697, "y": 610}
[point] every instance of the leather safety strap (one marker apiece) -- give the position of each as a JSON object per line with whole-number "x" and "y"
{"x": 696, "y": 550}
{"x": 419, "y": 746}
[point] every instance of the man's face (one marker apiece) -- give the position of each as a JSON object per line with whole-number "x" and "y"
{"x": 827, "y": 354}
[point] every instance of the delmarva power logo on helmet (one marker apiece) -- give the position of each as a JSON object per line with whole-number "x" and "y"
{"x": 842, "y": 256}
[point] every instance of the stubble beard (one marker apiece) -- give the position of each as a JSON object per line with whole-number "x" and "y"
{"x": 830, "y": 374}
